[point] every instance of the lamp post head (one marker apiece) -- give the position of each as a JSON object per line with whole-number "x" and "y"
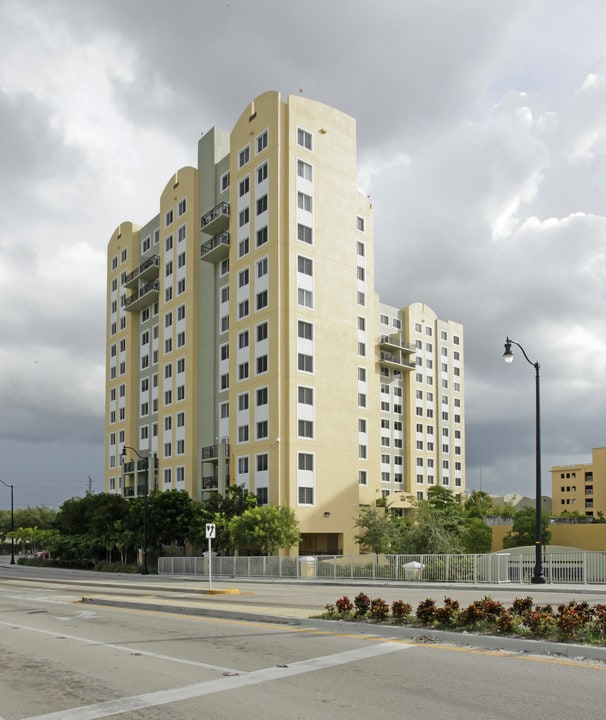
{"x": 508, "y": 355}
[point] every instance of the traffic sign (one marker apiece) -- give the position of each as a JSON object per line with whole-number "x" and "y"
{"x": 211, "y": 531}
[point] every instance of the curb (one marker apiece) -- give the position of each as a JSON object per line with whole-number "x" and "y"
{"x": 416, "y": 635}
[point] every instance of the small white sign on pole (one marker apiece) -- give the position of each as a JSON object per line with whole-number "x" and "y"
{"x": 211, "y": 533}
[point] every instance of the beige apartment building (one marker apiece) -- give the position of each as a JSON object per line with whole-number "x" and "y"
{"x": 580, "y": 488}
{"x": 246, "y": 343}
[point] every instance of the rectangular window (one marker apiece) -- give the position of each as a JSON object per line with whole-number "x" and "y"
{"x": 306, "y": 496}
{"x": 243, "y": 277}
{"x": 182, "y": 207}
{"x": 305, "y": 461}
{"x": 242, "y": 371}
{"x": 305, "y": 428}
{"x": 244, "y": 186}
{"x": 261, "y": 364}
{"x": 244, "y": 156}
{"x": 304, "y": 139}
{"x": 261, "y": 142}
{"x": 262, "y": 396}
{"x": 244, "y": 217}
{"x": 305, "y": 330}
{"x": 243, "y": 339}
{"x": 224, "y": 182}
{"x": 243, "y": 309}
{"x": 262, "y": 430}
{"x": 304, "y": 201}
{"x": 262, "y": 173}
{"x": 243, "y": 402}
{"x": 262, "y": 332}
{"x": 243, "y": 434}
{"x": 360, "y": 223}
{"x": 261, "y": 204}
{"x": 305, "y": 298}
{"x": 304, "y": 265}
{"x": 262, "y": 267}
{"x": 304, "y": 170}
{"x": 304, "y": 233}
{"x": 306, "y": 395}
{"x": 305, "y": 363}
{"x": 243, "y": 247}
{"x": 262, "y": 236}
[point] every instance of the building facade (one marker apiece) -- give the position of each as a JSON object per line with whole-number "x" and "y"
{"x": 246, "y": 343}
{"x": 580, "y": 488}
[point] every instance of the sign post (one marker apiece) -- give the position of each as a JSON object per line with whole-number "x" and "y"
{"x": 211, "y": 532}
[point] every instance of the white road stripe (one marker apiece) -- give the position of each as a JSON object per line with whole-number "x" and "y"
{"x": 122, "y": 648}
{"x": 164, "y": 697}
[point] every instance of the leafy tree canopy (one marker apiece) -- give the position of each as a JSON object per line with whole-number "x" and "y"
{"x": 266, "y": 528}
{"x": 523, "y": 529}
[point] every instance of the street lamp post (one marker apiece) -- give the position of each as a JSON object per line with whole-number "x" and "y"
{"x": 12, "y": 523}
{"x": 144, "y": 570}
{"x": 537, "y": 577}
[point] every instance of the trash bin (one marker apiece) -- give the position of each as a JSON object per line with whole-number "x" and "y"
{"x": 413, "y": 570}
{"x": 307, "y": 566}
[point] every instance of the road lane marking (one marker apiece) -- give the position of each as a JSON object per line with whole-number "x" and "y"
{"x": 189, "y": 692}
{"x": 121, "y": 648}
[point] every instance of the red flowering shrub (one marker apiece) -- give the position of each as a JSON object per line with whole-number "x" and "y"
{"x": 379, "y": 609}
{"x": 426, "y": 611}
{"x": 362, "y": 605}
{"x": 401, "y": 610}
{"x": 344, "y": 605}
{"x": 447, "y": 612}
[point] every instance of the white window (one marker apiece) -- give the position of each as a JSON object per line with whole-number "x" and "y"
{"x": 262, "y": 172}
{"x": 244, "y": 156}
{"x": 304, "y": 170}
{"x": 360, "y": 223}
{"x": 261, "y": 141}
{"x": 305, "y": 265}
{"x": 304, "y": 201}
{"x": 304, "y": 139}
{"x": 304, "y": 233}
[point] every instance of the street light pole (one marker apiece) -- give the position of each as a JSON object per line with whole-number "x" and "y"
{"x": 12, "y": 523}
{"x": 537, "y": 577}
{"x": 144, "y": 570}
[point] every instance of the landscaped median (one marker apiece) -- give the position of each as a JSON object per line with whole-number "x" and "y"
{"x": 575, "y": 622}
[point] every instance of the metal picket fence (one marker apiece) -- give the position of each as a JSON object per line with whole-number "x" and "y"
{"x": 571, "y": 567}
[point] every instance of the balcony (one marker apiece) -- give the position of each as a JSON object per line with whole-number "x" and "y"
{"x": 210, "y": 482}
{"x": 394, "y": 342}
{"x": 217, "y": 220}
{"x": 148, "y": 270}
{"x": 215, "y": 249}
{"x": 211, "y": 452}
{"x": 396, "y": 360}
{"x": 142, "y": 298}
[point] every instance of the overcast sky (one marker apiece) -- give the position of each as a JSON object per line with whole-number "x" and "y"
{"x": 481, "y": 140}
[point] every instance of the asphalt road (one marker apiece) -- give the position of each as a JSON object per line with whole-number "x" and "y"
{"x": 62, "y": 659}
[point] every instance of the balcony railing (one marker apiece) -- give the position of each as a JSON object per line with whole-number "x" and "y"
{"x": 397, "y": 360}
{"x": 394, "y": 341}
{"x": 210, "y": 482}
{"x": 216, "y": 220}
{"x": 211, "y": 452}
{"x": 143, "y": 297}
{"x": 215, "y": 249}
{"x": 148, "y": 270}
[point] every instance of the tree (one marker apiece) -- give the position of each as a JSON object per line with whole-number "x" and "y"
{"x": 476, "y": 536}
{"x": 478, "y": 504}
{"x": 220, "y": 509}
{"x": 436, "y": 529}
{"x": 522, "y": 532}
{"x": 265, "y": 529}
{"x": 382, "y": 530}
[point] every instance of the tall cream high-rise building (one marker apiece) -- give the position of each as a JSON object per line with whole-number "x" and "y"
{"x": 246, "y": 343}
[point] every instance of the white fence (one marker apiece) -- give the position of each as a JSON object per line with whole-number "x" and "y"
{"x": 577, "y": 567}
